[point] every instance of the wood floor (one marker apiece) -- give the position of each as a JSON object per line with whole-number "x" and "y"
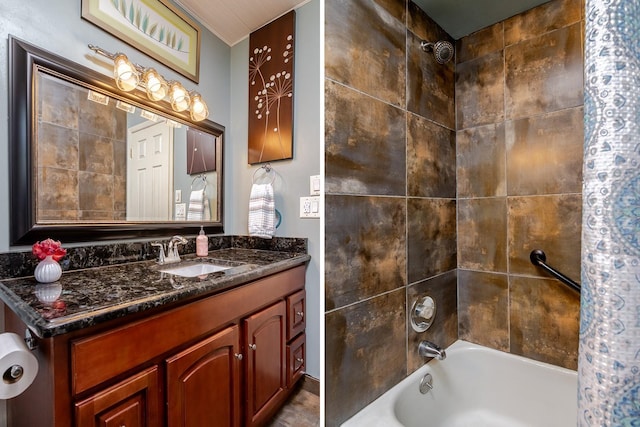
{"x": 301, "y": 410}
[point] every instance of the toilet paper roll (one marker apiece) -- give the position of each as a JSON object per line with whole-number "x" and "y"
{"x": 18, "y": 366}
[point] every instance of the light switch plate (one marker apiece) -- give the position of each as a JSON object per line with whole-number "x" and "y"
{"x": 314, "y": 185}
{"x": 181, "y": 211}
{"x": 310, "y": 207}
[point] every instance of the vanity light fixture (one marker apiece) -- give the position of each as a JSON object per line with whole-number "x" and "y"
{"x": 129, "y": 76}
{"x": 199, "y": 110}
{"x": 179, "y": 97}
{"x": 155, "y": 84}
{"x": 124, "y": 73}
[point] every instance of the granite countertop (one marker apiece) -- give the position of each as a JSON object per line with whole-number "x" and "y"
{"x": 94, "y": 295}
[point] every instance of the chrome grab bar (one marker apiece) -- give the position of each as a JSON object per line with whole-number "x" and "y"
{"x": 539, "y": 258}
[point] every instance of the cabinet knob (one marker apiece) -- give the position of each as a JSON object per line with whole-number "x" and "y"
{"x": 238, "y": 356}
{"x": 299, "y": 360}
{"x": 252, "y": 346}
{"x": 300, "y": 313}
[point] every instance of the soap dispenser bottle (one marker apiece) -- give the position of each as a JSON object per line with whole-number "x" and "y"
{"x": 202, "y": 243}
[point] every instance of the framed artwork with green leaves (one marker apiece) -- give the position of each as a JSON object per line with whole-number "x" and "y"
{"x": 154, "y": 27}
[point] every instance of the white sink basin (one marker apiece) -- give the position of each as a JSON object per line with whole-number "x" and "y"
{"x": 193, "y": 270}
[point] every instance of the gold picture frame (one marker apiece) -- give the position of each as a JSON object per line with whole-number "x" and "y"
{"x": 154, "y": 27}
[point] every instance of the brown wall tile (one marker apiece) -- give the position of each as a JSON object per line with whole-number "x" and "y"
{"x": 480, "y": 43}
{"x": 120, "y": 195}
{"x": 120, "y": 158}
{"x": 96, "y": 192}
{"x": 444, "y": 330}
{"x": 374, "y": 148}
{"x": 536, "y": 161}
{"x": 543, "y": 19}
{"x": 480, "y": 91}
{"x": 365, "y": 47}
{"x": 431, "y": 237}
{"x": 544, "y": 321}
{"x": 57, "y": 189}
{"x": 60, "y": 147}
{"x": 56, "y": 216}
{"x": 375, "y": 245}
{"x": 482, "y": 237}
{"x": 86, "y": 143}
{"x": 365, "y": 354}
{"x": 544, "y": 74}
{"x": 365, "y": 248}
{"x": 96, "y": 154}
{"x": 96, "y": 215}
{"x": 550, "y": 223}
{"x": 431, "y": 159}
{"x": 430, "y": 85}
{"x": 365, "y": 142}
{"x": 102, "y": 120}
{"x": 59, "y": 102}
{"x": 480, "y": 155}
{"x": 544, "y": 153}
{"x": 483, "y": 308}
{"x": 425, "y": 28}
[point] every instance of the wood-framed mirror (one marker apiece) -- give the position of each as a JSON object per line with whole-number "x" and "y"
{"x": 81, "y": 157}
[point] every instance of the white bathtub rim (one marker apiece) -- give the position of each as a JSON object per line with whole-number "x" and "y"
{"x": 381, "y": 412}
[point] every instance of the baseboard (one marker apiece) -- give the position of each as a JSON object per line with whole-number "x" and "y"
{"x": 311, "y": 384}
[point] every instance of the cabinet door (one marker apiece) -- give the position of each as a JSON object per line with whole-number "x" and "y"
{"x": 266, "y": 362}
{"x": 203, "y": 383}
{"x": 130, "y": 403}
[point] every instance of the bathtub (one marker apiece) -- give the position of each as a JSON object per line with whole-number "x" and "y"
{"x": 478, "y": 387}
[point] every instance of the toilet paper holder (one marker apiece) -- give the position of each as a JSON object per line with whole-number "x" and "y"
{"x": 30, "y": 340}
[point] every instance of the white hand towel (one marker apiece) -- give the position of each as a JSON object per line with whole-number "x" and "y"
{"x": 196, "y": 206}
{"x": 262, "y": 211}
{"x": 207, "y": 209}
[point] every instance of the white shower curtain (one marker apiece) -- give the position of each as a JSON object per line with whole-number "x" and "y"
{"x": 609, "y": 360}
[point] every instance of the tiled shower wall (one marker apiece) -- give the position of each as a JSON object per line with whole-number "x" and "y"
{"x": 519, "y": 162}
{"x": 87, "y": 148}
{"x": 390, "y": 196}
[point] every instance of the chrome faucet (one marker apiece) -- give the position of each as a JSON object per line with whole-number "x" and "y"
{"x": 172, "y": 248}
{"x": 161, "y": 254}
{"x": 429, "y": 349}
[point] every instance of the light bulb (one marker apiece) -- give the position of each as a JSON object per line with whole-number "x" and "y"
{"x": 124, "y": 73}
{"x": 179, "y": 97}
{"x": 199, "y": 110}
{"x": 155, "y": 85}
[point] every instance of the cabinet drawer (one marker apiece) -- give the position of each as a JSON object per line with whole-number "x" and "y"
{"x": 134, "y": 402}
{"x": 295, "y": 360}
{"x": 295, "y": 314}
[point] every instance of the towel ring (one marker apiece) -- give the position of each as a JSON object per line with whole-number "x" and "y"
{"x": 267, "y": 170}
{"x": 203, "y": 178}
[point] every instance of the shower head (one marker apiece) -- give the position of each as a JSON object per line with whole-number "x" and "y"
{"x": 442, "y": 50}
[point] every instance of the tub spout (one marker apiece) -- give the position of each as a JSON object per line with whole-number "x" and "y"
{"x": 429, "y": 349}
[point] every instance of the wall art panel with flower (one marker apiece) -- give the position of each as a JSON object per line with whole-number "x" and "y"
{"x": 271, "y": 70}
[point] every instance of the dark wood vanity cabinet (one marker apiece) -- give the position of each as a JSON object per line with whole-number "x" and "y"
{"x": 230, "y": 359}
